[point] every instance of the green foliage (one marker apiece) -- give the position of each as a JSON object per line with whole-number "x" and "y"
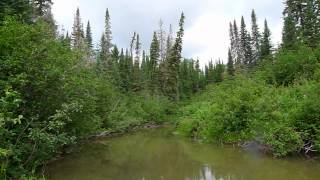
{"x": 284, "y": 119}
{"x": 136, "y": 110}
{"x": 290, "y": 66}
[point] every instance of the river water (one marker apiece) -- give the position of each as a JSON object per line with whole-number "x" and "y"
{"x": 158, "y": 155}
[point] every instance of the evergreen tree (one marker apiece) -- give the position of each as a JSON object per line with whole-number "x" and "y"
{"x": 230, "y": 65}
{"x": 106, "y": 47}
{"x": 169, "y": 42}
{"x": 162, "y": 41}
{"x": 232, "y": 42}
{"x": 123, "y": 72}
{"x": 115, "y": 57}
{"x": 174, "y": 62}
{"x": 132, "y": 43}
{"x": 197, "y": 73}
{"x": 309, "y": 30}
{"x": 78, "y": 42}
{"x": 256, "y": 38}
{"x": 289, "y": 33}
{"x": 136, "y": 65}
{"x": 21, "y": 9}
{"x": 144, "y": 70}
{"x": 245, "y": 45}
{"x": 137, "y": 48}
{"x": 243, "y": 42}
{"x": 103, "y": 55}
{"x": 266, "y": 41}
{"x": 218, "y": 72}
{"x": 89, "y": 36}
{"x": 108, "y": 33}
{"x": 154, "y": 60}
{"x": 237, "y": 45}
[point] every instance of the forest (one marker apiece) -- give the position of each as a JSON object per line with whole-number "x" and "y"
{"x": 57, "y": 90}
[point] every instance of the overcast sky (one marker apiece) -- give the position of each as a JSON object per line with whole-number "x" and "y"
{"x": 207, "y": 21}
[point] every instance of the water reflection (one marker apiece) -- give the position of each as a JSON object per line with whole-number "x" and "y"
{"x": 156, "y": 155}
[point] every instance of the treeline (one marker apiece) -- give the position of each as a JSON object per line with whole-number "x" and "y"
{"x": 159, "y": 71}
{"x": 272, "y": 97}
{"x": 247, "y": 49}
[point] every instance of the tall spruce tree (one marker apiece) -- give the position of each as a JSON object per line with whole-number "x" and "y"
{"x": 309, "y": 29}
{"x": 174, "y": 63}
{"x": 136, "y": 65}
{"x": 266, "y": 41}
{"x": 256, "y": 38}
{"x": 245, "y": 45}
{"x": 232, "y": 42}
{"x": 243, "y": 41}
{"x": 78, "y": 39}
{"x": 132, "y": 43}
{"x": 103, "y": 55}
{"x": 162, "y": 41}
{"x": 237, "y": 45}
{"x": 154, "y": 61}
{"x": 289, "y": 33}
{"x": 89, "y": 36}
{"x": 108, "y": 32}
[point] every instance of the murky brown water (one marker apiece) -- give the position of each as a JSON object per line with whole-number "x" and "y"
{"x": 158, "y": 155}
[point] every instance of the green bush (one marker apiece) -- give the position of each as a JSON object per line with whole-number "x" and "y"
{"x": 290, "y": 66}
{"x": 284, "y": 119}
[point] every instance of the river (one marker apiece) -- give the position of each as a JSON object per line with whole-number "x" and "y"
{"x": 158, "y": 155}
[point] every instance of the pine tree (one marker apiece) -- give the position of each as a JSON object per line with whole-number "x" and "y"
{"x": 174, "y": 62}
{"x": 78, "y": 41}
{"x": 243, "y": 41}
{"x": 256, "y": 38}
{"x": 266, "y": 41}
{"x": 20, "y": 8}
{"x": 249, "y": 61}
{"x": 154, "y": 61}
{"x": 106, "y": 47}
{"x": 218, "y": 72}
{"x": 169, "y": 43}
{"x": 103, "y": 55}
{"x": 89, "y": 36}
{"x": 301, "y": 23}
{"x": 137, "y": 48}
{"x": 108, "y": 33}
{"x": 144, "y": 70}
{"x": 230, "y": 65}
{"x": 309, "y": 29}
{"x": 289, "y": 33}
{"x": 162, "y": 41}
{"x": 123, "y": 72}
{"x": 237, "y": 45}
{"x": 197, "y": 73}
{"x": 136, "y": 65}
{"x": 115, "y": 57}
{"x": 245, "y": 45}
{"x": 132, "y": 43}
{"x": 232, "y": 42}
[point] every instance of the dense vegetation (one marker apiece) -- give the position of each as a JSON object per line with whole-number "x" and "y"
{"x": 56, "y": 89}
{"x": 268, "y": 98}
